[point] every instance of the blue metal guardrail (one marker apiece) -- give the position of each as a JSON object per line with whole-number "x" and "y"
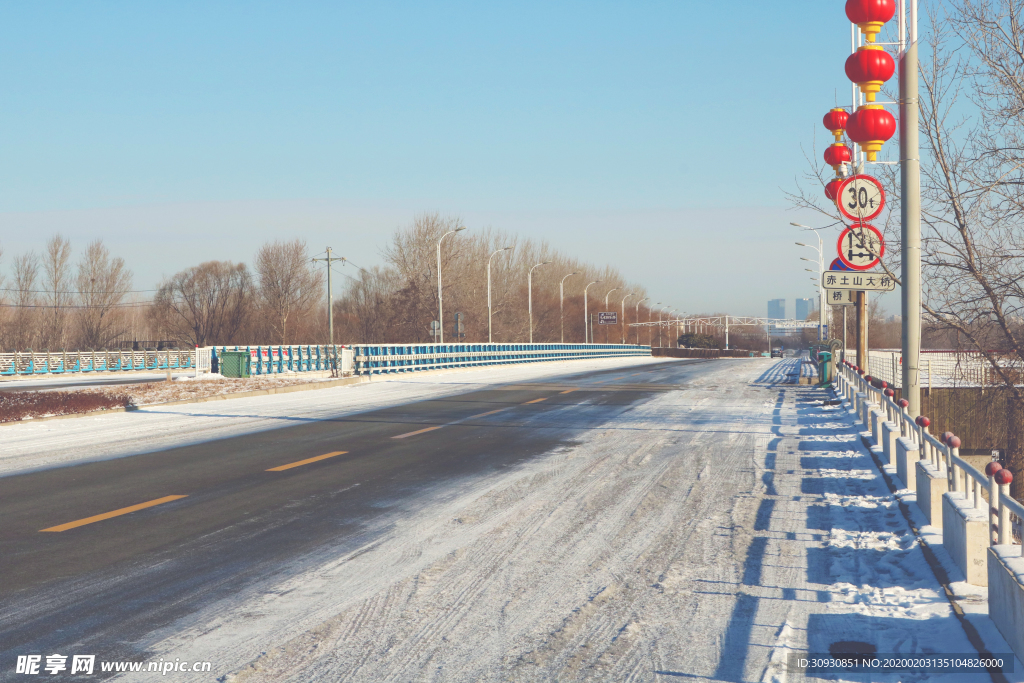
{"x": 384, "y": 358}
{"x": 60, "y": 362}
{"x": 272, "y": 360}
{"x": 269, "y": 360}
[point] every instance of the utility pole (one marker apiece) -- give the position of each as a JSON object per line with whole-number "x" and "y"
{"x": 330, "y": 295}
{"x": 910, "y": 210}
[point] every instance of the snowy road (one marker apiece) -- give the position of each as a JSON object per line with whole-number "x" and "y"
{"x": 671, "y": 520}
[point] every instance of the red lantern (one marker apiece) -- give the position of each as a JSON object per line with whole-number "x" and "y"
{"x": 870, "y": 127}
{"x": 869, "y": 15}
{"x": 832, "y": 188}
{"x": 835, "y": 120}
{"x": 837, "y": 154}
{"x": 869, "y": 67}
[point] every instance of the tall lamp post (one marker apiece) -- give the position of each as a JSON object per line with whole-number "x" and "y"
{"x": 440, "y": 304}
{"x": 489, "y": 340}
{"x": 529, "y": 289}
{"x": 637, "y": 317}
{"x": 821, "y": 272}
{"x": 613, "y": 289}
{"x": 624, "y": 315}
{"x": 663, "y": 309}
{"x": 561, "y": 302}
{"x": 586, "y": 315}
{"x": 650, "y": 328}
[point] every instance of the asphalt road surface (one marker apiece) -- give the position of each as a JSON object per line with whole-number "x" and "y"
{"x": 96, "y": 556}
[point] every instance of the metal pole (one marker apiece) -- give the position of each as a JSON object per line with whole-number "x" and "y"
{"x": 586, "y": 314}
{"x": 607, "y": 332}
{"x": 561, "y": 303}
{"x": 650, "y": 328}
{"x": 529, "y": 290}
{"x": 440, "y": 304}
{"x": 623, "y": 323}
{"x": 862, "y": 330}
{"x": 330, "y": 299}
{"x": 638, "y": 318}
{"x": 910, "y": 209}
{"x": 489, "y": 340}
{"x": 727, "y": 332}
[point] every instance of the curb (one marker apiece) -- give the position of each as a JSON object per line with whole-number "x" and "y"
{"x": 311, "y": 386}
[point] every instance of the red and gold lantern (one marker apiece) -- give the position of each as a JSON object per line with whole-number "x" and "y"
{"x": 832, "y": 189}
{"x": 837, "y": 154}
{"x": 835, "y": 120}
{"x": 869, "y": 67}
{"x": 870, "y": 127}
{"x": 870, "y": 15}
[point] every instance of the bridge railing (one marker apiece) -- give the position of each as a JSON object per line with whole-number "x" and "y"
{"x": 390, "y": 358}
{"x": 981, "y": 523}
{"x": 30, "y": 363}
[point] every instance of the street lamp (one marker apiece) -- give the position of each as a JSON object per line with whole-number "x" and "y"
{"x": 529, "y": 289}
{"x": 440, "y": 304}
{"x": 489, "y": 290}
{"x": 659, "y": 323}
{"x": 561, "y": 302}
{"x": 613, "y": 289}
{"x": 821, "y": 272}
{"x": 650, "y": 328}
{"x": 586, "y": 315}
{"x": 637, "y": 316}
{"x": 624, "y": 315}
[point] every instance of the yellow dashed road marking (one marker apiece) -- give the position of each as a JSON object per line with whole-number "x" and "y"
{"x": 299, "y": 463}
{"x": 113, "y": 513}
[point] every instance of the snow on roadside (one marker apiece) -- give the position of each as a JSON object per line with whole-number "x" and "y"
{"x": 30, "y": 446}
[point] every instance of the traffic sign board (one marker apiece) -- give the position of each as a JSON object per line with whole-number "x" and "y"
{"x": 860, "y": 198}
{"x": 860, "y": 246}
{"x": 840, "y": 297}
{"x": 608, "y": 318}
{"x": 873, "y": 281}
{"x": 837, "y": 264}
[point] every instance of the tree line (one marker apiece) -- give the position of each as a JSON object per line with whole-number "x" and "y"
{"x": 54, "y": 301}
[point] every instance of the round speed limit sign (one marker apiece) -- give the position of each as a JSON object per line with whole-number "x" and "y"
{"x": 860, "y": 198}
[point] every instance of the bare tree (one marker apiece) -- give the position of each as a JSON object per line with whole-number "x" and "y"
{"x": 103, "y": 283}
{"x": 289, "y": 286}
{"x": 206, "y": 304}
{"x": 24, "y": 332}
{"x": 59, "y": 297}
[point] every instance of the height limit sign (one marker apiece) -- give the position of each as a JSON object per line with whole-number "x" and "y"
{"x": 608, "y": 318}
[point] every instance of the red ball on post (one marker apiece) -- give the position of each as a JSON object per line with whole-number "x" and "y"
{"x": 837, "y": 154}
{"x": 870, "y": 127}
{"x": 869, "y": 15}
{"x": 832, "y": 188}
{"x": 1004, "y": 476}
{"x": 903, "y": 403}
{"x": 992, "y": 468}
{"x": 835, "y": 120}
{"x": 890, "y": 393}
{"x": 953, "y": 442}
{"x": 945, "y": 436}
{"x": 870, "y": 67}
{"x": 922, "y": 421}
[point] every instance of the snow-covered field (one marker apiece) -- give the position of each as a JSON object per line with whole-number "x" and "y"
{"x": 706, "y": 533}
{"x": 29, "y": 446}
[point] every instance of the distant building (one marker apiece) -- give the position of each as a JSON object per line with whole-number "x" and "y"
{"x": 777, "y": 308}
{"x": 804, "y": 307}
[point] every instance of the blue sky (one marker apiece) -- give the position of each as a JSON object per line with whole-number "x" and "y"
{"x": 654, "y": 136}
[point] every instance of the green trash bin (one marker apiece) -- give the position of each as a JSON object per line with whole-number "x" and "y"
{"x": 234, "y": 363}
{"x": 824, "y": 367}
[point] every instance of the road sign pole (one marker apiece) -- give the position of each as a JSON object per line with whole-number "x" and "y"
{"x": 862, "y": 331}
{"x": 910, "y": 188}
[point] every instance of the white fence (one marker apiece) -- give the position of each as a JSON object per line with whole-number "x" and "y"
{"x": 938, "y": 368}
